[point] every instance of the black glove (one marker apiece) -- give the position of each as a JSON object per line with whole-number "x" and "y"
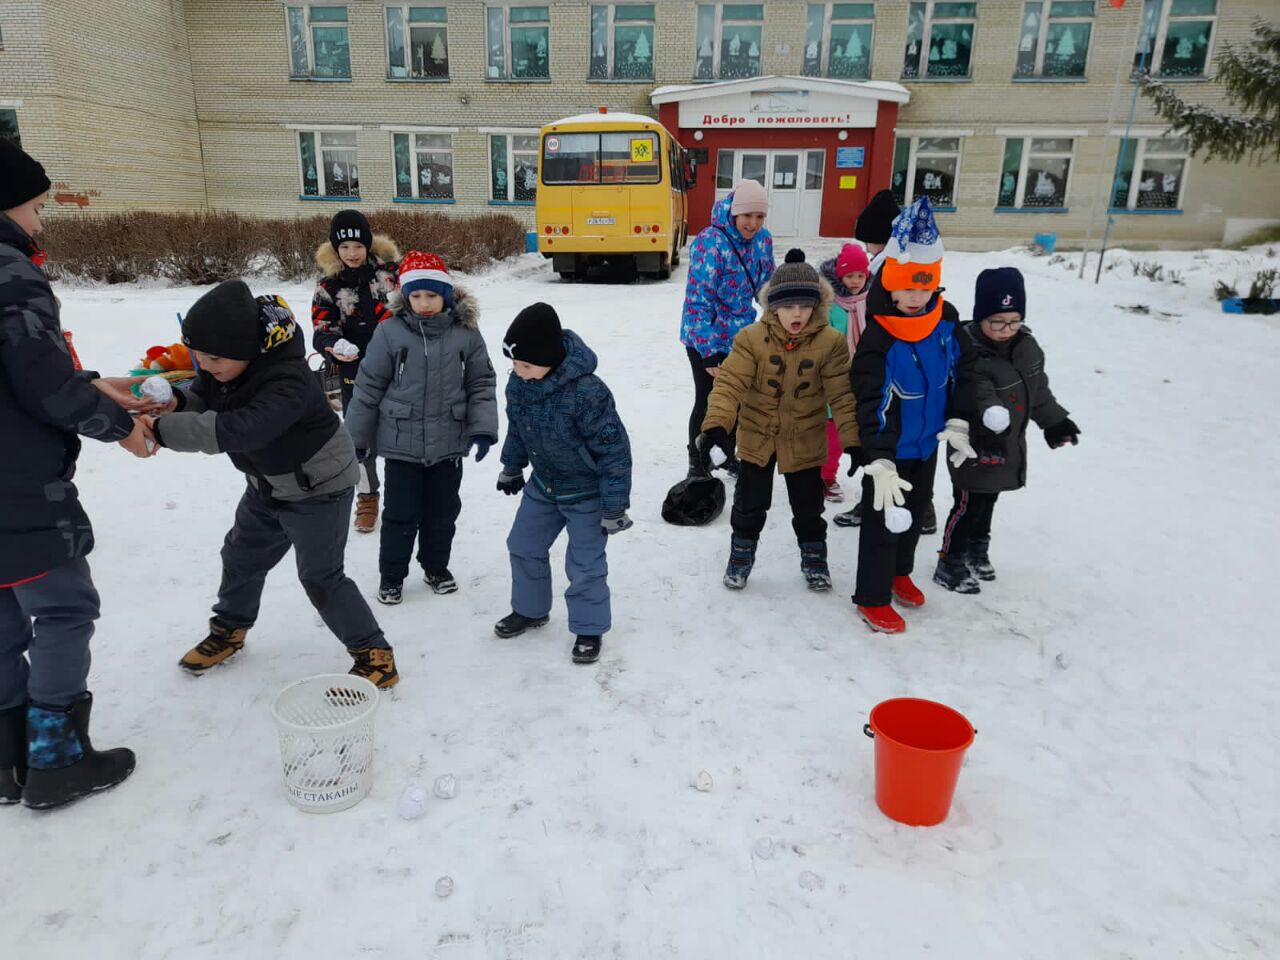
{"x": 715, "y": 437}
{"x": 361, "y": 455}
{"x": 511, "y": 483}
{"x": 856, "y": 460}
{"x": 1062, "y": 433}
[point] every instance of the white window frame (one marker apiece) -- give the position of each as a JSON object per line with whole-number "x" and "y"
{"x": 1046, "y": 20}
{"x": 311, "y": 42}
{"x": 506, "y": 6}
{"x": 1021, "y": 188}
{"x": 1139, "y": 160}
{"x": 913, "y": 154}
{"x": 922, "y": 56}
{"x": 404, "y": 9}
{"x": 828, "y": 20}
{"x": 1155, "y": 62}
{"x": 611, "y": 43}
{"x": 717, "y": 30}
{"x": 412, "y": 133}
{"x": 317, "y": 130}
{"x": 509, "y": 134}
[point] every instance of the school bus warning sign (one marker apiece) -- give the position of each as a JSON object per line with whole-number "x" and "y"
{"x": 641, "y": 150}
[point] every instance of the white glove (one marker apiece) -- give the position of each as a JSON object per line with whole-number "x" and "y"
{"x": 897, "y": 519}
{"x": 888, "y": 487}
{"x": 956, "y": 433}
{"x": 158, "y": 389}
{"x": 345, "y": 350}
{"x": 996, "y": 418}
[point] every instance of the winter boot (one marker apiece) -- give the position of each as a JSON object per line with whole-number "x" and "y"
{"x": 883, "y": 619}
{"x": 440, "y": 581}
{"x": 954, "y": 575}
{"x": 366, "y": 513}
{"x": 929, "y": 522}
{"x": 64, "y": 765}
{"x": 222, "y": 642}
{"x": 813, "y": 565}
{"x": 13, "y": 753}
{"x": 742, "y": 557}
{"x": 586, "y": 649}
{"x": 979, "y": 558}
{"x": 907, "y": 593}
{"x": 390, "y": 591}
{"x": 514, "y": 624}
{"x": 831, "y": 492}
{"x": 377, "y": 664}
{"x": 850, "y": 518}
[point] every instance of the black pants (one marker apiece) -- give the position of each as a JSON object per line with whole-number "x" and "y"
{"x": 369, "y": 469}
{"x": 317, "y": 529}
{"x": 423, "y": 503}
{"x": 753, "y": 493}
{"x": 702, "y": 384}
{"x": 883, "y": 555}
{"x": 970, "y": 520}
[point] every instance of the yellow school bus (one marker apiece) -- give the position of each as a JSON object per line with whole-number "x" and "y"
{"x": 612, "y": 187}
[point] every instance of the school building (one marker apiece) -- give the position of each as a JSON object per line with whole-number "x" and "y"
{"x": 1010, "y": 115}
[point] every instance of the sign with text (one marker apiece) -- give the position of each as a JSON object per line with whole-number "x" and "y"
{"x": 779, "y": 108}
{"x": 850, "y": 157}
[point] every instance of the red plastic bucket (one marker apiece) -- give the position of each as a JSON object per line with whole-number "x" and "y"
{"x": 920, "y": 747}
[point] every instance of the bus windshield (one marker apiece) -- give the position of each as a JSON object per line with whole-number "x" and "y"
{"x": 586, "y": 158}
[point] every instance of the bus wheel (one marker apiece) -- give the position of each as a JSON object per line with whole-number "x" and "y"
{"x": 568, "y": 276}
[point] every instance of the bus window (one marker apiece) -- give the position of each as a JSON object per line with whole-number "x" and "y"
{"x": 630, "y": 157}
{"x": 586, "y": 158}
{"x": 570, "y": 158}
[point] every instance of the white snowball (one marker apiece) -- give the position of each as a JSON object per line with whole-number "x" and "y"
{"x": 717, "y": 457}
{"x": 446, "y": 787}
{"x": 897, "y": 519}
{"x": 413, "y": 802}
{"x": 444, "y": 887}
{"x": 702, "y": 782}
{"x": 157, "y": 389}
{"x": 995, "y": 419}
{"x": 346, "y": 350}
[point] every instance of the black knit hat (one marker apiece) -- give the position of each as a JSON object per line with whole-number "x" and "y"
{"x": 21, "y": 176}
{"x": 999, "y": 290}
{"x": 535, "y": 336}
{"x": 224, "y": 322}
{"x": 350, "y": 225}
{"x": 875, "y": 222}
{"x": 794, "y": 282}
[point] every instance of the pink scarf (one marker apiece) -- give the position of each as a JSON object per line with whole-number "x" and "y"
{"x": 855, "y": 305}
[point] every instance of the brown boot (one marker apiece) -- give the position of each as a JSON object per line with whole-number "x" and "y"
{"x": 222, "y": 642}
{"x": 366, "y": 512}
{"x": 377, "y": 664}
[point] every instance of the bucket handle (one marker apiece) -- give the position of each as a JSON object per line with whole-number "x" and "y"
{"x": 866, "y": 729}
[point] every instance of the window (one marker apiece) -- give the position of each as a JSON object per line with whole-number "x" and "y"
{"x": 417, "y": 43}
{"x": 318, "y": 43}
{"x": 622, "y": 157}
{"x": 1176, "y": 37}
{"x": 1150, "y": 174}
{"x": 1035, "y": 172}
{"x": 9, "y": 126}
{"x": 926, "y": 167}
{"x": 423, "y": 165}
{"x": 939, "y": 40}
{"x": 328, "y": 159}
{"x": 518, "y": 43}
{"x": 837, "y": 40}
{"x": 729, "y": 39}
{"x": 1056, "y": 43}
{"x": 621, "y": 41}
{"x": 724, "y": 169}
{"x": 513, "y": 167}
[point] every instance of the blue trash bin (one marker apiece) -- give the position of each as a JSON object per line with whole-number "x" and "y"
{"x": 530, "y": 242}
{"x": 1045, "y": 242}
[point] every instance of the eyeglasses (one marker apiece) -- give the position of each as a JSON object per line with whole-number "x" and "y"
{"x": 1003, "y": 325}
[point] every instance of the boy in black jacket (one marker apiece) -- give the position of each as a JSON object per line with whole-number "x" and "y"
{"x": 1000, "y": 386}
{"x": 256, "y": 400}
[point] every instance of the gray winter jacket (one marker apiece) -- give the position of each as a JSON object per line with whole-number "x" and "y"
{"x": 426, "y": 386}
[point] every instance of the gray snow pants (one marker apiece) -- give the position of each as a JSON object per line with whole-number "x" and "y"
{"x": 49, "y": 622}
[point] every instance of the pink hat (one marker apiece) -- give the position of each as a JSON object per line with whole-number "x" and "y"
{"x": 851, "y": 259}
{"x": 749, "y": 197}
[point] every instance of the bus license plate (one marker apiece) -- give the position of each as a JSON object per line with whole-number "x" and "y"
{"x": 600, "y": 221}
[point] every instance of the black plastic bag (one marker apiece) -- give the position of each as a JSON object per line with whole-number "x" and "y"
{"x": 694, "y": 502}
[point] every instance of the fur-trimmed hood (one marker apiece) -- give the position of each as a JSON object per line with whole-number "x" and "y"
{"x": 821, "y": 314}
{"x": 466, "y": 309}
{"x": 384, "y": 250}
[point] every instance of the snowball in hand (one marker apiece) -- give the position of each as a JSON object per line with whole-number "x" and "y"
{"x": 897, "y": 519}
{"x": 717, "y": 457}
{"x": 157, "y": 389}
{"x": 346, "y": 350}
{"x": 995, "y": 418}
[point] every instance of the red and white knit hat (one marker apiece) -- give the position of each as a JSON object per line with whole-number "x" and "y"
{"x": 425, "y": 271}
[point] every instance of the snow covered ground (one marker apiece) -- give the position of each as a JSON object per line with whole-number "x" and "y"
{"x": 1120, "y": 800}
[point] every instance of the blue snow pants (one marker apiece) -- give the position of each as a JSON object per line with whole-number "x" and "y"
{"x": 538, "y": 523}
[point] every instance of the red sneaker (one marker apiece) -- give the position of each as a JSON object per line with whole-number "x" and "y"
{"x": 907, "y": 592}
{"x": 883, "y": 619}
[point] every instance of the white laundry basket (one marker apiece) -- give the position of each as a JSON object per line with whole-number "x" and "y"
{"x": 326, "y": 740}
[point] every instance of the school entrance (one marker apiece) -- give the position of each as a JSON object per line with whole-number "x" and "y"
{"x": 792, "y": 178}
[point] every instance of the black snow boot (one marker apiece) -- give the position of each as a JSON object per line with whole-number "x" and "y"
{"x": 390, "y": 592}
{"x": 979, "y": 558}
{"x": 813, "y": 564}
{"x": 440, "y": 581}
{"x": 514, "y": 624}
{"x": 13, "y": 753}
{"x": 64, "y": 765}
{"x": 850, "y": 518}
{"x": 742, "y": 557}
{"x": 929, "y": 522}
{"x": 955, "y": 576}
{"x": 586, "y": 649}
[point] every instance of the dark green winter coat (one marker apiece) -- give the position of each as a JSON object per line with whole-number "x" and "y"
{"x": 1009, "y": 374}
